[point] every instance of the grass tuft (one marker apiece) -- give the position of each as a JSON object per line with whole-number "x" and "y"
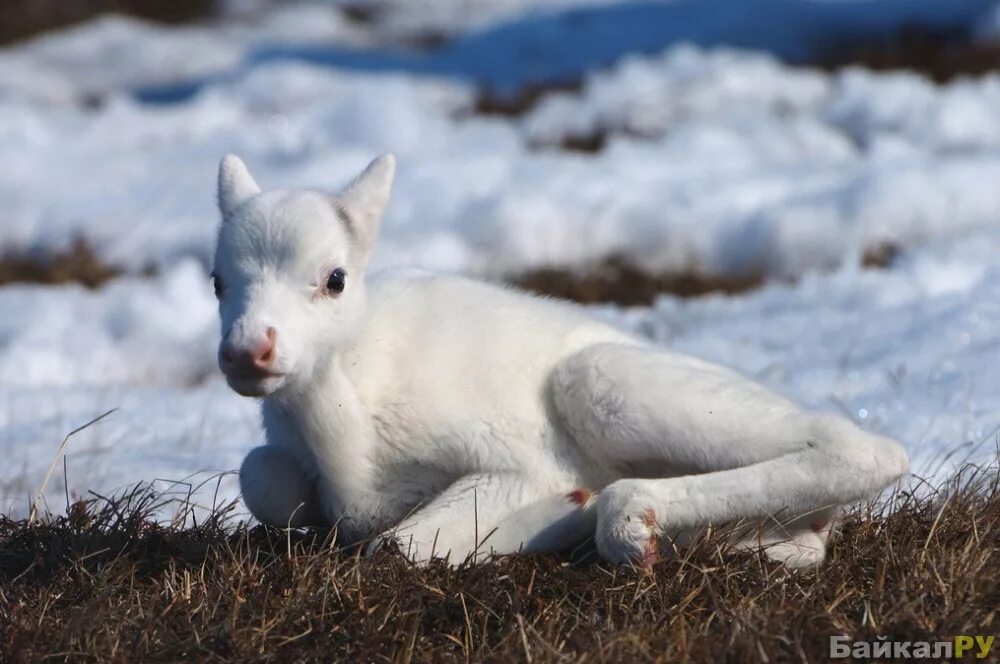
{"x": 108, "y": 582}
{"x": 77, "y": 264}
{"x": 21, "y": 19}
{"x": 616, "y": 280}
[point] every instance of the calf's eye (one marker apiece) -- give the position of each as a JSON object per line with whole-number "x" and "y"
{"x": 218, "y": 285}
{"x": 335, "y": 282}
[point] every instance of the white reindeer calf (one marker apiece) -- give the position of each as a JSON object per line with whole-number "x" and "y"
{"x": 466, "y": 419}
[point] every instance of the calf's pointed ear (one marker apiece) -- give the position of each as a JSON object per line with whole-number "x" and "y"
{"x": 364, "y": 200}
{"x": 236, "y": 185}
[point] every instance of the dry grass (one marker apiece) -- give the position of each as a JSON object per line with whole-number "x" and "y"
{"x": 78, "y": 264}
{"x": 20, "y": 19}
{"x": 942, "y": 56}
{"x": 617, "y": 281}
{"x": 108, "y": 584}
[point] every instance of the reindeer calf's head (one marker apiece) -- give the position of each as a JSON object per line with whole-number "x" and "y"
{"x": 288, "y": 273}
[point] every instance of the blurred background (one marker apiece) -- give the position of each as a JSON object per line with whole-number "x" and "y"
{"x": 806, "y": 190}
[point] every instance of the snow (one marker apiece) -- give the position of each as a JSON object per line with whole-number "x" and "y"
{"x": 403, "y": 19}
{"x": 158, "y": 331}
{"x": 114, "y": 53}
{"x": 160, "y": 435}
{"x": 715, "y": 160}
{"x": 501, "y": 44}
{"x": 553, "y": 45}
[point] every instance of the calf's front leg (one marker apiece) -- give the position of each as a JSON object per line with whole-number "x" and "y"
{"x": 495, "y": 513}
{"x": 277, "y": 491}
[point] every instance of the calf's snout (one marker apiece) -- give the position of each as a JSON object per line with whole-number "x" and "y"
{"x": 257, "y": 356}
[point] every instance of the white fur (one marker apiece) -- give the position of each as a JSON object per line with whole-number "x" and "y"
{"x": 458, "y": 417}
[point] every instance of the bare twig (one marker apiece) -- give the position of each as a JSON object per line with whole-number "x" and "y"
{"x": 45, "y": 482}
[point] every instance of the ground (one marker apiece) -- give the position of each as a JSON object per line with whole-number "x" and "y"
{"x": 107, "y": 584}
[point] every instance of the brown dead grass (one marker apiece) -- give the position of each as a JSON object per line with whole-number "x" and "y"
{"x": 617, "y": 281}
{"x": 108, "y": 584}
{"x": 942, "y": 56}
{"x": 78, "y": 264}
{"x": 511, "y": 105}
{"x": 20, "y": 19}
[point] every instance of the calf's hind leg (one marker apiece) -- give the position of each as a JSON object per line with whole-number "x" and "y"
{"x": 729, "y": 448}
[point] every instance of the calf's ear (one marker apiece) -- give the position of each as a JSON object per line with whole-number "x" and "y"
{"x": 364, "y": 200}
{"x": 236, "y": 185}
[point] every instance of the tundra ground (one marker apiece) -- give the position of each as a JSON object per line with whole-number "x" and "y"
{"x": 107, "y": 583}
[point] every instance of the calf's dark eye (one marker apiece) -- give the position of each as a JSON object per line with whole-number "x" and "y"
{"x": 217, "y": 284}
{"x": 335, "y": 282}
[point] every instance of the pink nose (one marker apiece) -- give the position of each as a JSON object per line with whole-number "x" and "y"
{"x": 259, "y": 357}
